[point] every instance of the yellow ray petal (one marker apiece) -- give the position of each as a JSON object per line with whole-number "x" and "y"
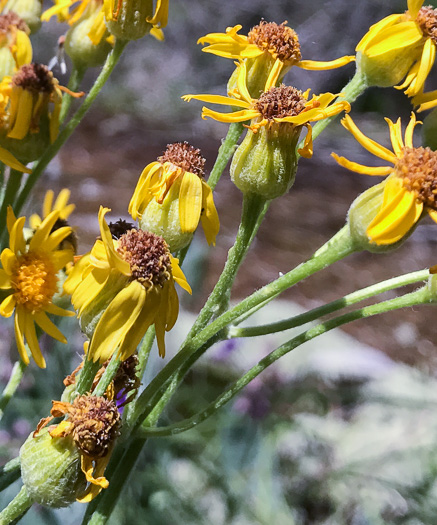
{"x": 313, "y": 65}
{"x": 425, "y": 64}
{"x": 209, "y": 216}
{"x": 7, "y": 306}
{"x": 367, "y": 143}
{"x": 236, "y": 116}
{"x": 19, "y": 336}
{"x": 56, "y": 310}
{"x": 414, "y": 7}
{"x": 398, "y": 36}
{"x": 396, "y": 136}
{"x": 377, "y": 28}
{"x": 5, "y": 280}
{"x": 32, "y": 341}
{"x": 307, "y": 150}
{"x": 190, "y": 202}
{"x": 409, "y": 131}
{"x": 41, "y": 235}
{"x": 16, "y": 237}
{"x": 178, "y": 275}
{"x": 8, "y": 260}
{"x": 217, "y": 99}
{"x": 359, "y": 168}
{"x": 49, "y": 328}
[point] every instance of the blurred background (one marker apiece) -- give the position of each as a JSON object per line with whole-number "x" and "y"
{"x": 341, "y": 432}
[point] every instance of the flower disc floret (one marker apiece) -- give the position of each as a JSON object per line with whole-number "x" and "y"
{"x": 280, "y": 102}
{"x": 427, "y": 21}
{"x": 279, "y": 40}
{"x": 148, "y": 257}
{"x": 34, "y": 281}
{"x": 184, "y": 156}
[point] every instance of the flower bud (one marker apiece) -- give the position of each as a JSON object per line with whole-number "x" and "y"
{"x": 86, "y": 41}
{"x": 265, "y": 163}
{"x": 28, "y": 10}
{"x": 362, "y": 212}
{"x": 51, "y": 469}
{"x": 127, "y": 19}
{"x": 163, "y": 219}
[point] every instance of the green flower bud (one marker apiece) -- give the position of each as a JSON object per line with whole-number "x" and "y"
{"x": 50, "y": 469}
{"x": 163, "y": 219}
{"x": 28, "y": 10}
{"x": 265, "y": 163}
{"x": 83, "y": 51}
{"x": 362, "y": 212}
{"x": 128, "y": 18}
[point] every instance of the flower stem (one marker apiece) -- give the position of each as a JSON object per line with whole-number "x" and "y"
{"x": 51, "y": 151}
{"x": 107, "y": 376}
{"x": 421, "y": 296}
{"x": 254, "y": 209}
{"x": 9, "y": 473}
{"x": 351, "y": 91}
{"x": 86, "y": 376}
{"x": 347, "y": 300}
{"x": 12, "y": 385}
{"x": 338, "y": 247}
{"x": 12, "y": 188}
{"x": 16, "y": 508}
{"x": 75, "y": 81}
{"x": 225, "y": 152}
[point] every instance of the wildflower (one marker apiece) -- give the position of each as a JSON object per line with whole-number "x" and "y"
{"x": 92, "y": 424}
{"x": 410, "y": 188}
{"x": 181, "y": 197}
{"x": 122, "y": 287}
{"x": 15, "y": 46}
{"x": 276, "y": 105}
{"x": 29, "y": 278}
{"x": 400, "y": 45}
{"x": 269, "y": 49}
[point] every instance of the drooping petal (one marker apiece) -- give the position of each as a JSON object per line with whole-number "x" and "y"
{"x": 313, "y": 65}
{"x": 307, "y": 150}
{"x": 410, "y": 130}
{"x": 218, "y": 99}
{"x": 236, "y": 116}
{"x": 17, "y": 242}
{"x": 178, "y": 275}
{"x": 49, "y": 328}
{"x": 414, "y": 7}
{"x": 32, "y": 341}
{"x": 376, "y": 29}
{"x": 209, "y": 216}
{"x": 425, "y": 64}
{"x": 396, "y": 136}
{"x": 190, "y": 202}
{"x": 398, "y": 36}
{"x": 5, "y": 280}
{"x": 19, "y": 335}
{"x": 7, "y": 306}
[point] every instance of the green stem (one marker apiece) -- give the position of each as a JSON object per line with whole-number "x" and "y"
{"x": 316, "y": 313}
{"x": 351, "y": 91}
{"x": 338, "y": 247}
{"x": 2, "y": 181}
{"x": 17, "y": 507}
{"x": 107, "y": 376}
{"x": 9, "y": 473}
{"x": 12, "y": 188}
{"x": 86, "y": 376}
{"x": 99, "y": 510}
{"x": 12, "y": 385}
{"x": 421, "y": 296}
{"x": 75, "y": 81}
{"x": 225, "y": 152}
{"x": 51, "y": 151}
{"x": 254, "y": 209}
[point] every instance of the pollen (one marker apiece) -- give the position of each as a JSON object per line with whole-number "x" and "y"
{"x": 34, "y": 280}
{"x": 36, "y": 78}
{"x": 280, "y": 102}
{"x": 427, "y": 21}
{"x": 96, "y": 423}
{"x": 418, "y": 170}
{"x": 148, "y": 255}
{"x": 184, "y": 156}
{"x": 278, "y": 39}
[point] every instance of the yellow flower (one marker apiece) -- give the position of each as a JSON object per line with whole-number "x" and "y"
{"x": 180, "y": 167}
{"x": 15, "y": 46}
{"x": 129, "y": 275}
{"x": 29, "y": 277}
{"x": 276, "y": 107}
{"x": 409, "y": 190}
{"x": 93, "y": 424}
{"x": 400, "y": 45}
{"x": 276, "y": 44}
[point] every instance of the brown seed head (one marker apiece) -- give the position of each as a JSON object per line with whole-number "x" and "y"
{"x": 96, "y": 424}
{"x": 148, "y": 256}
{"x": 279, "y": 40}
{"x": 11, "y": 19}
{"x": 418, "y": 170}
{"x": 184, "y": 156}
{"x": 427, "y": 21}
{"x": 36, "y": 78}
{"x": 280, "y": 102}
